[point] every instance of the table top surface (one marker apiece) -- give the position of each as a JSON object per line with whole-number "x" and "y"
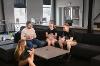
{"x": 49, "y": 52}
{"x": 6, "y": 42}
{"x": 9, "y": 46}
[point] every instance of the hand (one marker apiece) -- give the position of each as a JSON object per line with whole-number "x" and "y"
{"x": 71, "y": 38}
{"x": 63, "y": 39}
{"x": 61, "y": 46}
{"x": 68, "y": 40}
{"x": 27, "y": 37}
{"x": 31, "y": 51}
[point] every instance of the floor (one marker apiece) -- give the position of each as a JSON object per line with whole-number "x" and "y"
{"x": 73, "y": 62}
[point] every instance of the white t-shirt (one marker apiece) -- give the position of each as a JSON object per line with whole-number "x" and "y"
{"x": 28, "y": 34}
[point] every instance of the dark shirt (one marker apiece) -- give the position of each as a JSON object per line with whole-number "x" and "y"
{"x": 49, "y": 31}
{"x": 68, "y": 34}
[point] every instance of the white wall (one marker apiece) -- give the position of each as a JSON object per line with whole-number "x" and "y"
{"x": 34, "y": 9}
{"x": 9, "y": 14}
{"x": 98, "y": 19}
{"x": 62, "y": 3}
{"x": 96, "y": 10}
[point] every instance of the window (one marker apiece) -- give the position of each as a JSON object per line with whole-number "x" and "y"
{"x": 20, "y": 17}
{"x": 71, "y": 15}
{"x": 46, "y": 14}
{"x": 20, "y": 13}
{"x": 20, "y": 3}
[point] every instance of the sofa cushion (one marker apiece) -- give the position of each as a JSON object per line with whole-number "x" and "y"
{"x": 87, "y": 38}
{"x": 17, "y": 37}
{"x": 93, "y": 39}
{"x": 86, "y": 50}
{"x": 41, "y": 34}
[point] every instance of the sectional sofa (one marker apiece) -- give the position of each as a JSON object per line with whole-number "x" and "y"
{"x": 88, "y": 46}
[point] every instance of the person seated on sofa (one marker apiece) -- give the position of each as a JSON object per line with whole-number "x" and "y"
{"x": 51, "y": 34}
{"x": 28, "y": 34}
{"x": 67, "y": 38}
{"x": 19, "y": 52}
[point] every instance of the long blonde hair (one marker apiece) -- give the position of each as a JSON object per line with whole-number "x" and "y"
{"x": 21, "y": 44}
{"x": 20, "y": 48}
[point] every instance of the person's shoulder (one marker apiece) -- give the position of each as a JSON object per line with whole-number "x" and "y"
{"x": 71, "y": 30}
{"x": 62, "y": 32}
{"x": 32, "y": 29}
{"x": 24, "y": 29}
{"x": 55, "y": 29}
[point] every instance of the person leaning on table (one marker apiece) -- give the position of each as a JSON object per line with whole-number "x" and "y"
{"x": 21, "y": 46}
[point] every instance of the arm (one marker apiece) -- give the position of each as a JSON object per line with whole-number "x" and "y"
{"x": 55, "y": 32}
{"x": 34, "y": 33}
{"x": 62, "y": 38}
{"x": 73, "y": 38}
{"x": 55, "y": 35}
{"x": 71, "y": 41}
{"x": 46, "y": 34}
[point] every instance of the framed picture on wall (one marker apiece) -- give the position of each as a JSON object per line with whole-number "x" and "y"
{"x": 67, "y": 13}
{"x": 71, "y": 15}
{"x": 75, "y": 12}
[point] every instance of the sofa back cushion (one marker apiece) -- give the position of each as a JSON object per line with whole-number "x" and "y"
{"x": 87, "y": 38}
{"x": 40, "y": 34}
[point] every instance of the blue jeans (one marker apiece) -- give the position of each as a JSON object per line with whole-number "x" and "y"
{"x": 34, "y": 43}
